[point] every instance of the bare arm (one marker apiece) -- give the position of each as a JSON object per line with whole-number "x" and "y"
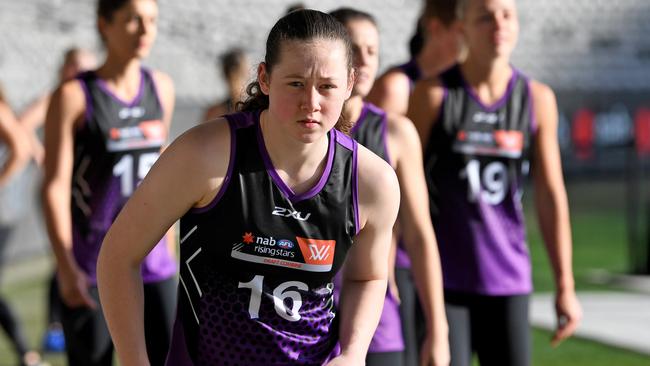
{"x": 167, "y": 94}
{"x": 553, "y": 209}
{"x": 187, "y": 174}
{"x": 365, "y": 271}
{"x": 424, "y": 106}
{"x": 391, "y": 92}
{"x": 419, "y": 238}
{"x": 13, "y": 137}
{"x": 66, "y": 108}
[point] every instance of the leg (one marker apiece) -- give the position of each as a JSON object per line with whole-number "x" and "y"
{"x": 502, "y": 330}
{"x": 385, "y": 359}
{"x": 53, "y": 339}
{"x": 408, "y": 300}
{"x": 159, "y": 307}
{"x": 460, "y": 333}
{"x": 8, "y": 320}
{"x": 88, "y": 342}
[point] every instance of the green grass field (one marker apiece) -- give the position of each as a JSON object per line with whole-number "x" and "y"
{"x": 599, "y": 234}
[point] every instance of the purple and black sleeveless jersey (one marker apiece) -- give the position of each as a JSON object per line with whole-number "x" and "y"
{"x": 475, "y": 161}
{"x": 113, "y": 150}
{"x": 412, "y": 71}
{"x": 370, "y": 131}
{"x": 258, "y": 261}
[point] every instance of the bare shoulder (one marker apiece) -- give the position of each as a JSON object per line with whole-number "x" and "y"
{"x": 541, "y": 93}
{"x": 391, "y": 91}
{"x": 206, "y": 143}
{"x": 432, "y": 88}
{"x": 68, "y": 102}
{"x": 378, "y": 186}
{"x": 544, "y": 104}
{"x": 400, "y": 128}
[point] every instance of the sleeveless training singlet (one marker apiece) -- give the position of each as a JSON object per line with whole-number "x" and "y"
{"x": 113, "y": 151}
{"x": 370, "y": 131}
{"x": 475, "y": 162}
{"x": 258, "y": 262}
{"x": 412, "y": 71}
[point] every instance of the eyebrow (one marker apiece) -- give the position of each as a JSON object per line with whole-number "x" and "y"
{"x": 298, "y": 76}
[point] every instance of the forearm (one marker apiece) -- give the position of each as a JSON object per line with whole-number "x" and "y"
{"x": 56, "y": 207}
{"x": 121, "y": 294}
{"x": 361, "y": 305}
{"x": 553, "y": 214}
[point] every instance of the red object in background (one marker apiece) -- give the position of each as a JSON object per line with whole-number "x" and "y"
{"x": 642, "y": 131}
{"x": 582, "y": 133}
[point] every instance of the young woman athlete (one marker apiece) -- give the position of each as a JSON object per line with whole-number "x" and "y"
{"x": 272, "y": 201}
{"x": 481, "y": 123}
{"x": 103, "y": 131}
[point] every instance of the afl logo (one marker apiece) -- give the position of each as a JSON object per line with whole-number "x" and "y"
{"x": 285, "y": 244}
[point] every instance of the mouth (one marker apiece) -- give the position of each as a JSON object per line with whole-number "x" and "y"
{"x": 309, "y": 123}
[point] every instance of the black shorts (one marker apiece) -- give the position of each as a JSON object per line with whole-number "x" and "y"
{"x": 495, "y": 327}
{"x": 88, "y": 342}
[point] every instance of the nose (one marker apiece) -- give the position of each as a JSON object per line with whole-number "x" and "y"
{"x": 310, "y": 100}
{"x": 146, "y": 26}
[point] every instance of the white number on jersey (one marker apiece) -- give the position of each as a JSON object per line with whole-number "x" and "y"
{"x": 125, "y": 170}
{"x": 280, "y": 293}
{"x": 490, "y": 186}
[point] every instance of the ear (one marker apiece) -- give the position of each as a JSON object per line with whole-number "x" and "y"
{"x": 101, "y": 26}
{"x": 351, "y": 80}
{"x": 263, "y": 78}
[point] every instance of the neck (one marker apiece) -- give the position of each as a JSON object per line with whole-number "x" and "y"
{"x": 299, "y": 164}
{"x": 123, "y": 76}
{"x": 236, "y": 90}
{"x": 488, "y": 78}
{"x": 352, "y": 109}
{"x": 433, "y": 59}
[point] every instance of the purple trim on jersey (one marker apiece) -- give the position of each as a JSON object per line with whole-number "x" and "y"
{"x": 355, "y": 188}
{"x": 362, "y": 115}
{"x": 89, "y": 100}
{"x": 350, "y": 144}
{"x": 499, "y": 103}
{"x": 402, "y": 259}
{"x": 291, "y": 195}
{"x": 155, "y": 89}
{"x": 104, "y": 87}
{"x": 231, "y": 165}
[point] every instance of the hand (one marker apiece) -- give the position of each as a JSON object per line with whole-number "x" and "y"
{"x": 73, "y": 287}
{"x": 569, "y": 314}
{"x": 344, "y": 360}
{"x": 435, "y": 352}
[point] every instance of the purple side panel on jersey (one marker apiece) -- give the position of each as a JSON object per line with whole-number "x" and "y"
{"x": 282, "y": 186}
{"x": 402, "y": 259}
{"x": 158, "y": 265}
{"x": 232, "y": 122}
{"x": 388, "y": 335}
{"x": 490, "y": 237}
{"x": 177, "y": 355}
{"x": 104, "y": 87}
{"x": 89, "y": 100}
{"x": 499, "y": 103}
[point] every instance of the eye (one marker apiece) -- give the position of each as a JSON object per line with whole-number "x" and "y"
{"x": 295, "y": 84}
{"x": 328, "y": 86}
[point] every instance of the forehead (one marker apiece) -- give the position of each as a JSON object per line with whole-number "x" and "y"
{"x": 149, "y": 7}
{"x": 362, "y": 31}
{"x": 492, "y": 5}
{"x": 321, "y": 57}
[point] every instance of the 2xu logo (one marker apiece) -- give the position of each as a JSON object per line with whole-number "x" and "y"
{"x": 285, "y": 212}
